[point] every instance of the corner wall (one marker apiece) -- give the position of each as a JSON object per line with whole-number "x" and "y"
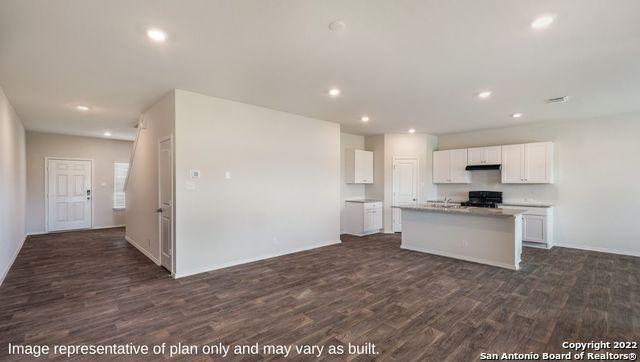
{"x": 348, "y": 191}
{"x": 142, "y": 183}
{"x": 283, "y": 194}
{"x": 596, "y": 191}
{"x": 13, "y": 181}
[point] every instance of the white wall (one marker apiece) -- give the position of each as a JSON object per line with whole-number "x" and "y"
{"x": 142, "y": 184}
{"x": 12, "y": 185}
{"x": 375, "y": 144}
{"x": 348, "y": 191}
{"x": 104, "y": 153}
{"x": 596, "y": 188}
{"x": 284, "y": 191}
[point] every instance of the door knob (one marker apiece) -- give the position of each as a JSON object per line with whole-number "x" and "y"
{"x": 158, "y": 210}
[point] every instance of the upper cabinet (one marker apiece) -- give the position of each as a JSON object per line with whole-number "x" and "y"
{"x": 528, "y": 163}
{"x": 359, "y": 167}
{"x": 449, "y": 167}
{"x": 484, "y": 156}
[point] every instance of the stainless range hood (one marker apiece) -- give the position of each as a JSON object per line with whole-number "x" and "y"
{"x": 482, "y": 167}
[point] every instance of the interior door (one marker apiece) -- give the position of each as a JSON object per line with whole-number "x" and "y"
{"x": 69, "y": 194}
{"x": 165, "y": 209}
{"x": 405, "y": 187}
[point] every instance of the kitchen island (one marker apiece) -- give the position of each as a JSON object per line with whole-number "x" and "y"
{"x": 481, "y": 235}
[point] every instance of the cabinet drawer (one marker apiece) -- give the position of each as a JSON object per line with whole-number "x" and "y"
{"x": 372, "y": 205}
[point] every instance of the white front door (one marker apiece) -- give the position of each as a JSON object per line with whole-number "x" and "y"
{"x": 69, "y": 194}
{"x": 165, "y": 209}
{"x": 405, "y": 186}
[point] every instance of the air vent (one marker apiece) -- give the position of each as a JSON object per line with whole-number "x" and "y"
{"x": 557, "y": 99}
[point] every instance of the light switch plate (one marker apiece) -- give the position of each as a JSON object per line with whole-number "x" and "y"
{"x": 190, "y": 185}
{"x": 227, "y": 175}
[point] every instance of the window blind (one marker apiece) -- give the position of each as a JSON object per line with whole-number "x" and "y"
{"x": 120, "y": 171}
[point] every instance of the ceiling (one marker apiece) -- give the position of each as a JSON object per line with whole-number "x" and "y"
{"x": 403, "y": 63}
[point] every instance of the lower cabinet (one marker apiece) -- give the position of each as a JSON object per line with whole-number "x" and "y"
{"x": 537, "y": 225}
{"x": 363, "y": 218}
{"x": 534, "y": 228}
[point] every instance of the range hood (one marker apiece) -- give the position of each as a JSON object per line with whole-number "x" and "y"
{"x": 482, "y": 167}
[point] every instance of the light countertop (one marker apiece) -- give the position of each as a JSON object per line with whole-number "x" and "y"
{"x": 475, "y": 211}
{"x": 527, "y": 203}
{"x": 364, "y": 201}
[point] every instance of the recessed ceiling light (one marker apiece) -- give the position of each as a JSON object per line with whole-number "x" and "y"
{"x": 82, "y": 108}
{"x": 157, "y": 35}
{"x": 484, "y": 94}
{"x": 107, "y": 134}
{"x": 337, "y": 26}
{"x": 412, "y": 130}
{"x": 516, "y": 115}
{"x": 543, "y": 21}
{"x": 334, "y": 92}
{"x": 365, "y": 118}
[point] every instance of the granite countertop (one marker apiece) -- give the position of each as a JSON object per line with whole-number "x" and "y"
{"x": 527, "y": 204}
{"x": 363, "y": 200}
{"x": 475, "y": 211}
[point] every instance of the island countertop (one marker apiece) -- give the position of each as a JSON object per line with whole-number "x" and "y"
{"x": 475, "y": 211}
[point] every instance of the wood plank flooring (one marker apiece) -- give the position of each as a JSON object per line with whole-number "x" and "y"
{"x": 92, "y": 287}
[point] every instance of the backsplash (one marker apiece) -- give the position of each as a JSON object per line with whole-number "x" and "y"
{"x": 489, "y": 180}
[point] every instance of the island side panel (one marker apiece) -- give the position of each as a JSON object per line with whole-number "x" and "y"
{"x": 482, "y": 239}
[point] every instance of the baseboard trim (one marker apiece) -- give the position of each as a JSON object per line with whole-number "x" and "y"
{"x": 597, "y": 249}
{"x": 13, "y": 259}
{"x": 457, "y": 256}
{"x": 36, "y": 233}
{"x": 252, "y": 259}
{"x": 66, "y": 231}
{"x": 107, "y": 227}
{"x": 141, "y": 249}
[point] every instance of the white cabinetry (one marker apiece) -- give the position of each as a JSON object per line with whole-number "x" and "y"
{"x": 537, "y": 225}
{"x": 449, "y": 167}
{"x": 528, "y": 163}
{"x": 363, "y": 218}
{"x": 484, "y": 156}
{"x": 359, "y": 167}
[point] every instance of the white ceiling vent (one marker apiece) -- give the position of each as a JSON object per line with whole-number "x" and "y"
{"x": 557, "y": 100}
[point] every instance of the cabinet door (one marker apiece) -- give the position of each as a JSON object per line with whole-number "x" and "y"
{"x": 537, "y": 163}
{"x": 534, "y": 228}
{"x": 372, "y": 219}
{"x": 475, "y": 156}
{"x": 493, "y": 155}
{"x": 458, "y": 163}
{"x": 441, "y": 167}
{"x": 513, "y": 164}
{"x": 363, "y": 166}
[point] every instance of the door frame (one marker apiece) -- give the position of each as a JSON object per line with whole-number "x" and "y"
{"x": 46, "y": 188}
{"x": 173, "y": 205}
{"x": 393, "y": 184}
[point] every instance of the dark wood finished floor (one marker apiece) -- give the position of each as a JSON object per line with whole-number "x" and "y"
{"x": 93, "y": 288}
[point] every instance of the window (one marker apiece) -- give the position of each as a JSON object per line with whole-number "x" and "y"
{"x": 120, "y": 171}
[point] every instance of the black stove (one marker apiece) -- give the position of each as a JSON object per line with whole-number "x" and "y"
{"x": 483, "y": 199}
